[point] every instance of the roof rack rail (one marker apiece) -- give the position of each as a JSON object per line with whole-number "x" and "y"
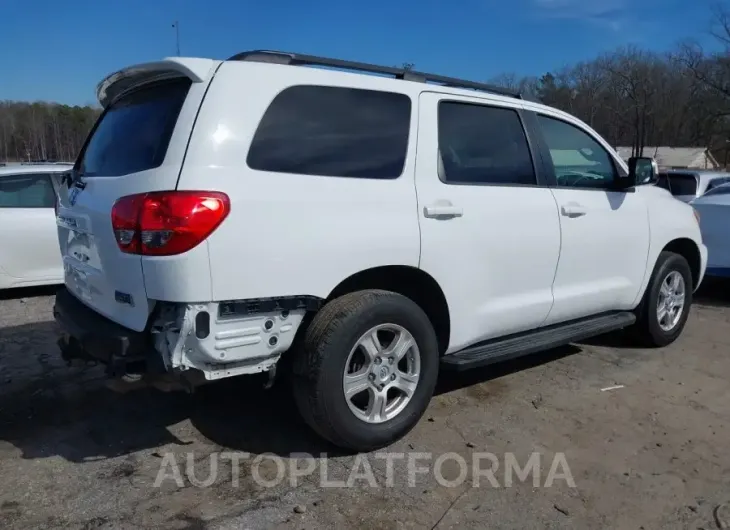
{"x": 297, "y": 59}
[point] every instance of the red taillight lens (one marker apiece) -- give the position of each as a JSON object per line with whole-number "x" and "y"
{"x": 165, "y": 223}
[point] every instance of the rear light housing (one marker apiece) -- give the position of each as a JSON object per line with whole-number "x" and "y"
{"x": 165, "y": 223}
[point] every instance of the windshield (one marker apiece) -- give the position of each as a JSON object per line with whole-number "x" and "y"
{"x": 134, "y": 132}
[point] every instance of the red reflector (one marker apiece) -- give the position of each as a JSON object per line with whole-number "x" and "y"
{"x": 165, "y": 223}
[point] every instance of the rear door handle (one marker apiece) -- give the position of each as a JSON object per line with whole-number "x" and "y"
{"x": 442, "y": 212}
{"x": 572, "y": 210}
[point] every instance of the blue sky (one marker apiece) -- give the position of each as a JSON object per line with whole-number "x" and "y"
{"x": 59, "y": 51}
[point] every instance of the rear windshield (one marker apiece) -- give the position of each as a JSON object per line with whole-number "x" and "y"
{"x": 678, "y": 183}
{"x": 723, "y": 189}
{"x": 134, "y": 132}
{"x": 714, "y": 183}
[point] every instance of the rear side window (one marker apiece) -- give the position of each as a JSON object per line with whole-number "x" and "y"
{"x": 482, "y": 145}
{"x": 134, "y": 132}
{"x": 334, "y": 132}
{"x": 678, "y": 183}
{"x": 27, "y": 191}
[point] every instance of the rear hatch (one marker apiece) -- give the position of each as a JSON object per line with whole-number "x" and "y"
{"x": 137, "y": 146}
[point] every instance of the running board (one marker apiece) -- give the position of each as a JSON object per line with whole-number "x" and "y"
{"x": 542, "y": 339}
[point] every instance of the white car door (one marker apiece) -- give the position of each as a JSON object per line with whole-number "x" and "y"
{"x": 490, "y": 233}
{"x": 30, "y": 252}
{"x": 604, "y": 232}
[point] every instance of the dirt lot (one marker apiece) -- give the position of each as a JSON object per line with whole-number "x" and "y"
{"x": 652, "y": 454}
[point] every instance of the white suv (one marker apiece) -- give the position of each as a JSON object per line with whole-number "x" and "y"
{"x": 224, "y": 216}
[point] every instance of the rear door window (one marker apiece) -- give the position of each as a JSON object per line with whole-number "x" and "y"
{"x": 134, "y": 132}
{"x": 27, "y": 191}
{"x": 479, "y": 144}
{"x": 333, "y": 131}
{"x": 678, "y": 184}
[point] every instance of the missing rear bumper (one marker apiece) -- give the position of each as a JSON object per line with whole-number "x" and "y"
{"x": 88, "y": 337}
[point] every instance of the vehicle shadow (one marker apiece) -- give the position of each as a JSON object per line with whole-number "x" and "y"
{"x": 714, "y": 292}
{"x": 28, "y": 292}
{"x": 53, "y": 410}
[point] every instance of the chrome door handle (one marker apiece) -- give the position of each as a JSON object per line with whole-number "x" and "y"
{"x": 572, "y": 210}
{"x": 442, "y": 212}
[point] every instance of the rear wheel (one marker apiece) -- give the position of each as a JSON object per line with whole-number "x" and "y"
{"x": 665, "y": 308}
{"x": 367, "y": 369}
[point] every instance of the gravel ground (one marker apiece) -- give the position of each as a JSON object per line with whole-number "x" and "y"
{"x": 649, "y": 454}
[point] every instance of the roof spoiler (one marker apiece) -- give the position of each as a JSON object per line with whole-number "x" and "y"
{"x": 116, "y": 84}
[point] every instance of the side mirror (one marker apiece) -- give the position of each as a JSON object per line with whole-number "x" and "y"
{"x": 642, "y": 171}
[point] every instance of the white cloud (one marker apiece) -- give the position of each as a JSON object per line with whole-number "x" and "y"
{"x": 609, "y": 13}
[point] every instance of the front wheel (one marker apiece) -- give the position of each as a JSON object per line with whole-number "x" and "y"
{"x": 367, "y": 369}
{"x": 665, "y": 307}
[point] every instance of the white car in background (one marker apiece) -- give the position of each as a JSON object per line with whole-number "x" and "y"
{"x": 713, "y": 209}
{"x": 28, "y": 237}
{"x": 689, "y": 184}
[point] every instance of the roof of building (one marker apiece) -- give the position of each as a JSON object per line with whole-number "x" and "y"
{"x": 672, "y": 156}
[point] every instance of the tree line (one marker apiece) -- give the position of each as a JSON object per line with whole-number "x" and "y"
{"x": 632, "y": 97}
{"x": 639, "y": 98}
{"x": 43, "y": 131}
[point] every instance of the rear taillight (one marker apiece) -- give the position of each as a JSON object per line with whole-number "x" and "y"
{"x": 164, "y": 223}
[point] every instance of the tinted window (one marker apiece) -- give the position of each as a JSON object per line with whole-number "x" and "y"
{"x": 480, "y": 144}
{"x": 678, "y": 183}
{"x": 27, "y": 191}
{"x": 133, "y": 134}
{"x": 579, "y": 160}
{"x": 333, "y": 131}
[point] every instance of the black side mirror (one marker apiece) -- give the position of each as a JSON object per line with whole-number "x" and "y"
{"x": 642, "y": 170}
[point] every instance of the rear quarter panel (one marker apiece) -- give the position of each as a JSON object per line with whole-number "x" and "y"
{"x": 290, "y": 234}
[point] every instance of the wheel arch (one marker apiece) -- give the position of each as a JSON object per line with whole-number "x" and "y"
{"x": 411, "y": 282}
{"x": 689, "y": 250}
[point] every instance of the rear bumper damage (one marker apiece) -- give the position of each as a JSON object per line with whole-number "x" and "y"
{"x": 88, "y": 336}
{"x": 225, "y": 339}
{"x": 190, "y": 342}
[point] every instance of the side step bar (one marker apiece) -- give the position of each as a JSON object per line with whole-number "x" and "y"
{"x": 542, "y": 339}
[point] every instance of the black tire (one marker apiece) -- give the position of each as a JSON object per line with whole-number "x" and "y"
{"x": 647, "y": 329}
{"x": 319, "y": 366}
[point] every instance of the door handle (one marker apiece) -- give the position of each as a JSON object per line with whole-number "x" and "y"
{"x": 442, "y": 212}
{"x": 573, "y": 210}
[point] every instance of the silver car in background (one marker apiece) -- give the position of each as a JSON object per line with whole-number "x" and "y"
{"x": 713, "y": 209}
{"x": 689, "y": 184}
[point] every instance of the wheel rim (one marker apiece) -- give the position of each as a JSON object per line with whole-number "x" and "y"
{"x": 670, "y": 304}
{"x": 381, "y": 373}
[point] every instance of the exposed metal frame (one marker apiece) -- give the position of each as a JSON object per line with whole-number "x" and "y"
{"x": 297, "y": 59}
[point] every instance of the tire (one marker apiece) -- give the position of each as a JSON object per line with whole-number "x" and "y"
{"x": 330, "y": 347}
{"x": 648, "y": 329}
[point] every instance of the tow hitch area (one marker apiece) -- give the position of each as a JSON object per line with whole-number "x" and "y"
{"x": 126, "y": 375}
{"x": 73, "y": 351}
